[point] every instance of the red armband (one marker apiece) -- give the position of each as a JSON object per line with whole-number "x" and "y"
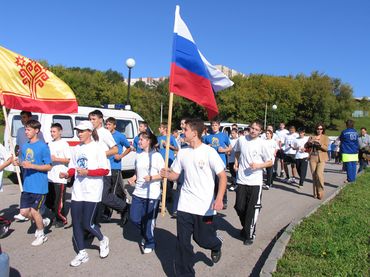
{"x": 71, "y": 172}
{"x": 97, "y": 172}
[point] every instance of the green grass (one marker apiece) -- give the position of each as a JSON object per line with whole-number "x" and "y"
{"x": 341, "y": 125}
{"x": 335, "y": 240}
{"x": 2, "y": 128}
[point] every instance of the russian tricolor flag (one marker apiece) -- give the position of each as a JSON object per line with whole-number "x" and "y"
{"x": 192, "y": 76}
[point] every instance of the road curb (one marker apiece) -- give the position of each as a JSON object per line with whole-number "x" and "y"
{"x": 278, "y": 249}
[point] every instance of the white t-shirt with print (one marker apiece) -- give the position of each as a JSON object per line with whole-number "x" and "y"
{"x": 251, "y": 151}
{"x": 60, "y": 149}
{"x": 148, "y": 164}
{"x": 289, "y": 140}
{"x": 200, "y": 166}
{"x": 89, "y": 156}
{"x": 106, "y": 142}
{"x": 4, "y": 156}
{"x": 299, "y": 143}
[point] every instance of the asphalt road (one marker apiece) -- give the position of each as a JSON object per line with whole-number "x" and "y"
{"x": 281, "y": 204}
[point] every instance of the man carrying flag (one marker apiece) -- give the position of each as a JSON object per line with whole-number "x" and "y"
{"x": 193, "y": 77}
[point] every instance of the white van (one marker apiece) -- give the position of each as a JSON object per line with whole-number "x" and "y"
{"x": 127, "y": 123}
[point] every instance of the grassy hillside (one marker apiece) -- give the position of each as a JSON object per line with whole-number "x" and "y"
{"x": 341, "y": 125}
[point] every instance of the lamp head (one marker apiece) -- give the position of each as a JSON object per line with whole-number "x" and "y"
{"x": 130, "y": 62}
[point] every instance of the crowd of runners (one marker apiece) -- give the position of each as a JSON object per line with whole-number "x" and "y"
{"x": 196, "y": 174}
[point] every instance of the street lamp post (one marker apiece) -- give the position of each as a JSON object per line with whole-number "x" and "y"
{"x": 274, "y": 107}
{"x": 130, "y": 63}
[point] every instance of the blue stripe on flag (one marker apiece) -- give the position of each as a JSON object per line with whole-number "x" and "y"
{"x": 185, "y": 54}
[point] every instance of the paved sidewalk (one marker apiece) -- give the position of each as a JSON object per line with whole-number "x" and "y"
{"x": 281, "y": 204}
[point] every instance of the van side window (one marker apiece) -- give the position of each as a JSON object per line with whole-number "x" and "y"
{"x": 66, "y": 122}
{"x": 227, "y": 130}
{"x": 78, "y": 119}
{"x": 126, "y": 127}
{"x": 16, "y": 124}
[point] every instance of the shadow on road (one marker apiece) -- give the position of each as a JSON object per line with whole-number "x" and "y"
{"x": 261, "y": 261}
{"x": 294, "y": 190}
{"x": 338, "y": 171}
{"x": 222, "y": 224}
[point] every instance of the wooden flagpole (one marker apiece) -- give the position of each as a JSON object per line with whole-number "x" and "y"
{"x": 7, "y": 126}
{"x": 164, "y": 184}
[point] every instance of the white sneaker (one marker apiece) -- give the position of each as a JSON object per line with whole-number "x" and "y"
{"x": 148, "y": 250}
{"x": 20, "y": 217}
{"x": 82, "y": 257}
{"x": 142, "y": 243}
{"x": 104, "y": 247}
{"x": 46, "y": 221}
{"x": 39, "y": 240}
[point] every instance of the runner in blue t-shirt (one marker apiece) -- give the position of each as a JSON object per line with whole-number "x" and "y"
{"x": 163, "y": 129}
{"x": 221, "y": 143}
{"x": 162, "y": 143}
{"x": 36, "y": 162}
{"x": 116, "y": 182}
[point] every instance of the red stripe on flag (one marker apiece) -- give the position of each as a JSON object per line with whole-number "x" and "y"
{"x": 193, "y": 87}
{"x": 41, "y": 106}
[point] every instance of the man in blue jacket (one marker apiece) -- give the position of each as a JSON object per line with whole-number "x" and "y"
{"x": 349, "y": 149}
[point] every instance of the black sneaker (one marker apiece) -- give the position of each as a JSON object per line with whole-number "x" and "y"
{"x": 58, "y": 224}
{"x": 216, "y": 256}
{"x": 248, "y": 242}
{"x": 224, "y": 206}
{"x": 266, "y": 187}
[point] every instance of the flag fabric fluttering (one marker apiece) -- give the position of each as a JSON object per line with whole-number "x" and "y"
{"x": 192, "y": 76}
{"x": 27, "y": 85}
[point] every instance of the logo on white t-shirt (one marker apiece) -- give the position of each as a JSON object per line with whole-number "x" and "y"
{"x": 201, "y": 164}
{"x": 82, "y": 161}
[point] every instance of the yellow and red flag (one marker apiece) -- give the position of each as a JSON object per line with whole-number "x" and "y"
{"x": 27, "y": 85}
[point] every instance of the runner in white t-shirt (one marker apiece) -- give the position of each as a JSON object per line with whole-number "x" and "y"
{"x": 146, "y": 196}
{"x": 301, "y": 156}
{"x": 281, "y": 133}
{"x": 252, "y": 155}
{"x": 109, "y": 199}
{"x": 197, "y": 205}
{"x": 5, "y": 160}
{"x": 289, "y": 155}
{"x": 60, "y": 156}
{"x": 273, "y": 147}
{"x": 88, "y": 164}
{"x": 231, "y": 158}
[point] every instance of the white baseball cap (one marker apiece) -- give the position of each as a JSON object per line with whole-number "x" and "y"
{"x": 84, "y": 125}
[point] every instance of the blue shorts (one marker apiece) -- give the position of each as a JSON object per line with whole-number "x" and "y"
{"x": 32, "y": 200}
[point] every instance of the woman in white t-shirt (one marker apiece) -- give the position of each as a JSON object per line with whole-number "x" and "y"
{"x": 88, "y": 164}
{"x": 147, "y": 181}
{"x": 273, "y": 148}
{"x": 301, "y": 157}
